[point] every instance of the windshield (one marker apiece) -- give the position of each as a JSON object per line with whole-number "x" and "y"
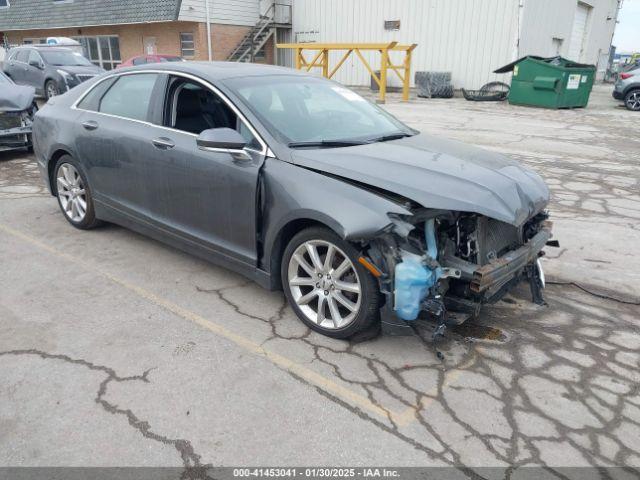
{"x": 171, "y": 59}
{"x": 302, "y": 109}
{"x": 61, "y": 58}
{"x": 4, "y": 79}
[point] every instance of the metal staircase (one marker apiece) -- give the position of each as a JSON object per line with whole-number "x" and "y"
{"x": 254, "y": 41}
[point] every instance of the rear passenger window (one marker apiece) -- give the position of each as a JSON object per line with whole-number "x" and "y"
{"x": 22, "y": 56}
{"x": 129, "y": 96}
{"x": 92, "y": 100}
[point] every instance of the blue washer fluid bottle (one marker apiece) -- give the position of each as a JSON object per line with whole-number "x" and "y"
{"x": 412, "y": 280}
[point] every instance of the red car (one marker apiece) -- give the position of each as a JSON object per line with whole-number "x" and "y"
{"x": 142, "y": 59}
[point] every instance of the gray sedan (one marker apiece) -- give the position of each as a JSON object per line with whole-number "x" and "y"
{"x": 297, "y": 183}
{"x": 50, "y": 70}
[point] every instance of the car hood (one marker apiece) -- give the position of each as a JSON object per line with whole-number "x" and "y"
{"x": 15, "y": 98}
{"x": 438, "y": 173}
{"x": 75, "y": 69}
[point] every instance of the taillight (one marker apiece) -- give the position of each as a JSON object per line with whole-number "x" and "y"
{"x": 624, "y": 76}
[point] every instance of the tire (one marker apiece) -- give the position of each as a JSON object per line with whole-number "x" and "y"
{"x": 74, "y": 194}
{"x": 50, "y": 89}
{"x": 344, "y": 312}
{"x": 495, "y": 87}
{"x": 632, "y": 100}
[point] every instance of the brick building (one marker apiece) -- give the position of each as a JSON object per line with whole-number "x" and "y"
{"x": 115, "y": 30}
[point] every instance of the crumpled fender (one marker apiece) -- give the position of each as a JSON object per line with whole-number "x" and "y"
{"x": 16, "y": 98}
{"x": 292, "y": 193}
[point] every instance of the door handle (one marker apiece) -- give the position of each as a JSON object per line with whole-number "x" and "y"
{"x": 163, "y": 143}
{"x": 90, "y": 125}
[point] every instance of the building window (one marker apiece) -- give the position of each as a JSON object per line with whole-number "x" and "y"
{"x": 102, "y": 50}
{"x": 4, "y": 4}
{"x": 187, "y": 47}
{"x": 31, "y": 41}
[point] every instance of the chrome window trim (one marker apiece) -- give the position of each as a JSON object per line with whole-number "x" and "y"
{"x": 266, "y": 151}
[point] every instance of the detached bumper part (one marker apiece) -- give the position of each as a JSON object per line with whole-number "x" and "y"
{"x": 505, "y": 268}
{"x": 15, "y": 131}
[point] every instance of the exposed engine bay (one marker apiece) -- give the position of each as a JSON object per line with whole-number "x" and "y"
{"x": 446, "y": 265}
{"x": 15, "y": 129}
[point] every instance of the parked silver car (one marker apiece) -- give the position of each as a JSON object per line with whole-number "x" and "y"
{"x": 627, "y": 88}
{"x": 298, "y": 183}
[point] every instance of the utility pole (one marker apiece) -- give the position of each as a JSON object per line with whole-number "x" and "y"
{"x": 208, "y": 20}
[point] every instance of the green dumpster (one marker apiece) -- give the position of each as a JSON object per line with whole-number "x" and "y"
{"x": 549, "y": 82}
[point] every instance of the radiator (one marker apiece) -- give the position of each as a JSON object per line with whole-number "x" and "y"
{"x": 495, "y": 238}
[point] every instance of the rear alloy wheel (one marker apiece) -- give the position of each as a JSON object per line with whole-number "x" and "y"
{"x": 326, "y": 286}
{"x": 74, "y": 195}
{"x": 50, "y": 89}
{"x": 632, "y": 100}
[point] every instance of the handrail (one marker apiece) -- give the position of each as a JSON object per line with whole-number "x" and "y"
{"x": 265, "y": 20}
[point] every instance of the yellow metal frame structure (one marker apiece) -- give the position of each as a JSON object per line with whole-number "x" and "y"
{"x": 321, "y": 60}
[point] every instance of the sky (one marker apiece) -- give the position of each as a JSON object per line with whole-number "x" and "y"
{"x": 627, "y": 35}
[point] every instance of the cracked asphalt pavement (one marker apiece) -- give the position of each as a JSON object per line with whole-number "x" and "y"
{"x": 116, "y": 350}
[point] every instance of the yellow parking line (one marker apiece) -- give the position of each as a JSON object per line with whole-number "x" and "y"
{"x": 286, "y": 364}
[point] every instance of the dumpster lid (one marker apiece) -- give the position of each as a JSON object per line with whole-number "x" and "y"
{"x": 557, "y": 60}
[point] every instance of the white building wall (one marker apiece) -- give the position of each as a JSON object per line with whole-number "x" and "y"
{"x": 546, "y": 20}
{"x": 230, "y": 12}
{"x": 469, "y": 38}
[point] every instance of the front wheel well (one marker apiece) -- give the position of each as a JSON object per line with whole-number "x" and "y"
{"x": 51, "y": 168}
{"x": 285, "y": 235}
{"x": 631, "y": 88}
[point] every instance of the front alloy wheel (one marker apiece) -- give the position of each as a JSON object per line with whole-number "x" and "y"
{"x": 632, "y": 100}
{"x": 51, "y": 90}
{"x": 326, "y": 286}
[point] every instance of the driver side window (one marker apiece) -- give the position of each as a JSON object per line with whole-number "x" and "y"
{"x": 192, "y": 108}
{"x": 35, "y": 57}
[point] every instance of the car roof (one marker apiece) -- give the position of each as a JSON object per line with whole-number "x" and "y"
{"x": 43, "y": 47}
{"x": 216, "y": 70}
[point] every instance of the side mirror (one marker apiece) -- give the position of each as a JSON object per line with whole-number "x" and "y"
{"x": 221, "y": 139}
{"x": 35, "y": 63}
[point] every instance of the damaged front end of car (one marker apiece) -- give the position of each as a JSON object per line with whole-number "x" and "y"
{"x": 444, "y": 265}
{"x": 17, "y": 110}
